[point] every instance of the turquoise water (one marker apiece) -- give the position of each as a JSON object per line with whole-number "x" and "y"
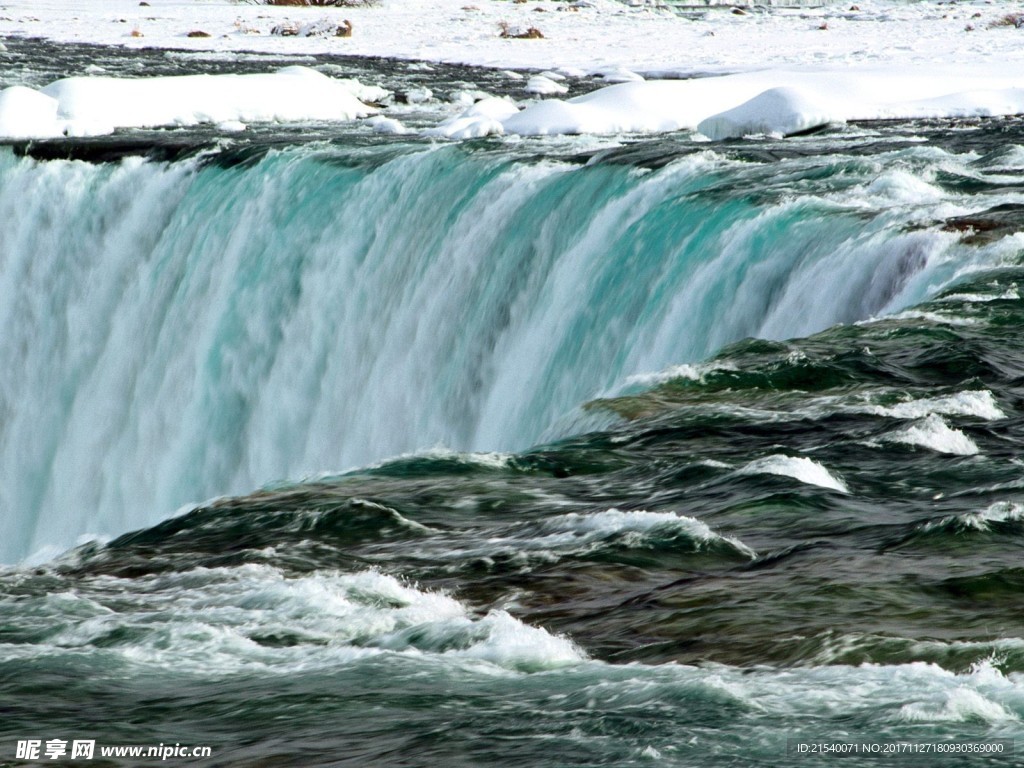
{"x": 665, "y": 454}
{"x": 180, "y": 331}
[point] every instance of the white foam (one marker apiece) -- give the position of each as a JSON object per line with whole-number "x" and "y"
{"x": 489, "y": 460}
{"x": 979, "y": 404}
{"x": 575, "y": 528}
{"x": 900, "y": 187}
{"x": 999, "y": 512}
{"x": 578, "y": 534}
{"x": 694, "y": 372}
{"x": 511, "y": 644}
{"x": 836, "y": 646}
{"x": 217, "y": 621}
{"x": 933, "y": 433}
{"x": 800, "y": 468}
{"x": 960, "y": 706}
{"x": 931, "y": 317}
{"x": 887, "y": 695}
{"x": 255, "y": 620}
{"x": 1010, "y": 294}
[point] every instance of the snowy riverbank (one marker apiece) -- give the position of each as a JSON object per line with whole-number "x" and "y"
{"x": 790, "y": 69}
{"x": 599, "y": 34}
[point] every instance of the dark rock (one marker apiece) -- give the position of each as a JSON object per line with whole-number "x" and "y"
{"x": 989, "y": 225}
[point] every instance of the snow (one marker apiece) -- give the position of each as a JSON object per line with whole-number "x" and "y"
{"x": 776, "y": 101}
{"x": 777, "y": 71}
{"x": 540, "y": 85}
{"x": 603, "y": 34}
{"x": 26, "y": 113}
{"x": 778, "y": 110}
{"x": 613, "y": 75}
{"x": 387, "y": 125}
{"x": 482, "y": 119}
{"x": 419, "y": 95}
{"x": 91, "y": 106}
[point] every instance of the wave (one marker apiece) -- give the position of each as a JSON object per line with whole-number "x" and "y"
{"x": 996, "y": 515}
{"x": 801, "y": 468}
{"x": 980, "y": 404}
{"x": 611, "y": 534}
{"x": 255, "y": 619}
{"x": 960, "y": 706}
{"x": 933, "y": 433}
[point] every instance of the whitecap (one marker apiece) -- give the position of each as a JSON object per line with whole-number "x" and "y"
{"x": 931, "y": 317}
{"x": 934, "y": 434}
{"x": 695, "y": 372}
{"x": 803, "y": 469}
{"x": 1000, "y": 512}
{"x": 1010, "y": 294}
{"x": 977, "y": 403}
{"x": 961, "y": 705}
{"x": 254, "y": 617}
{"x": 575, "y": 528}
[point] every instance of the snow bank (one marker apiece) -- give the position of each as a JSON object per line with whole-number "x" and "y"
{"x": 775, "y": 111}
{"x": 768, "y": 102}
{"x": 91, "y": 106}
{"x": 25, "y": 113}
{"x": 482, "y": 119}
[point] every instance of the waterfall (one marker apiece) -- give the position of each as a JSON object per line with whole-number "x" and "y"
{"x": 173, "y": 331}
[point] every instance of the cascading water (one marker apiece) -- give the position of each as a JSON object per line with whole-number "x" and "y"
{"x": 175, "y": 331}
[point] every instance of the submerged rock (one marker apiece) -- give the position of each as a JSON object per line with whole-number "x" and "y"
{"x": 989, "y": 225}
